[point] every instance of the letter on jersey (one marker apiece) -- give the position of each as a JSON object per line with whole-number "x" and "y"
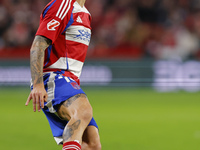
{"x": 52, "y": 25}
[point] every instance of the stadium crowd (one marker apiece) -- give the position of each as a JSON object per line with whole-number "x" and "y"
{"x": 134, "y": 29}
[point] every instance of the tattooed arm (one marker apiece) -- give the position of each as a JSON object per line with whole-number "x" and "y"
{"x": 37, "y": 58}
{"x": 38, "y": 94}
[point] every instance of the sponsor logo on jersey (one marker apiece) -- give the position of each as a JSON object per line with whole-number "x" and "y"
{"x": 84, "y": 35}
{"x": 52, "y": 25}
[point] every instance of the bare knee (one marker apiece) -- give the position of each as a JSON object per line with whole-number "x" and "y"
{"x": 78, "y": 112}
{"x": 77, "y": 107}
{"x": 84, "y": 113}
{"x": 91, "y": 146}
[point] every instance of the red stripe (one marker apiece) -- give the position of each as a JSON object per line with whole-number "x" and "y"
{"x": 76, "y": 50}
{"x": 71, "y": 145}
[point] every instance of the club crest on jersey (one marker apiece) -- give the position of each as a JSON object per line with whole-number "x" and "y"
{"x": 52, "y": 25}
{"x": 83, "y": 35}
{"x": 75, "y": 85}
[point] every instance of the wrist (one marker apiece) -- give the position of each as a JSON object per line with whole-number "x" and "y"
{"x": 38, "y": 85}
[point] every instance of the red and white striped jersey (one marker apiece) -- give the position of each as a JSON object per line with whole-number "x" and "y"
{"x": 67, "y": 25}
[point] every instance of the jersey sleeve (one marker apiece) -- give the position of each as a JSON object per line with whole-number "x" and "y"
{"x": 55, "y": 18}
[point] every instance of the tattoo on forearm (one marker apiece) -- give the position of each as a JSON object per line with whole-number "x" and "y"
{"x": 37, "y": 58}
{"x": 70, "y": 130}
{"x": 68, "y": 102}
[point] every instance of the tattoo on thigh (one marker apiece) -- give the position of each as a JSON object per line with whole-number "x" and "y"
{"x": 70, "y": 130}
{"x": 68, "y": 102}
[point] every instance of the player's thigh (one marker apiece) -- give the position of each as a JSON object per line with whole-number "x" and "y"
{"x": 76, "y": 105}
{"x": 91, "y": 138}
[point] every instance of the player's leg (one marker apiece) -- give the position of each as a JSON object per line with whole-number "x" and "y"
{"x": 78, "y": 112}
{"x": 91, "y": 139}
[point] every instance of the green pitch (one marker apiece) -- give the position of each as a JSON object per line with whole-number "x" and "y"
{"x": 128, "y": 119}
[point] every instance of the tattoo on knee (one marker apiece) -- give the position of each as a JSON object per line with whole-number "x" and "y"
{"x": 68, "y": 102}
{"x": 70, "y": 130}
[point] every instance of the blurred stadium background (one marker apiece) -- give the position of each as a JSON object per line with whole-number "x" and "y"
{"x": 144, "y": 55}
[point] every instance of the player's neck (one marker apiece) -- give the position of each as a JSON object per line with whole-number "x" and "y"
{"x": 81, "y": 2}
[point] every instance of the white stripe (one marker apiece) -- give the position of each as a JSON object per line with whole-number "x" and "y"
{"x": 63, "y": 10}
{"x": 73, "y": 34}
{"x": 67, "y": 10}
{"x": 75, "y": 66}
{"x": 61, "y": 63}
{"x": 74, "y": 148}
{"x": 67, "y": 79}
{"x": 60, "y": 8}
{"x": 50, "y": 91}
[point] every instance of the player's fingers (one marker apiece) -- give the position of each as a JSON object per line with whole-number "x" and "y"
{"x": 41, "y": 100}
{"x": 34, "y": 102}
{"x": 38, "y": 101}
{"x": 28, "y": 99}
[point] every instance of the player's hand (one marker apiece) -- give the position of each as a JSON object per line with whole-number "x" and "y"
{"x": 39, "y": 96}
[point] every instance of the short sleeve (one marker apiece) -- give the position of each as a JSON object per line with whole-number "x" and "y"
{"x": 54, "y": 18}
